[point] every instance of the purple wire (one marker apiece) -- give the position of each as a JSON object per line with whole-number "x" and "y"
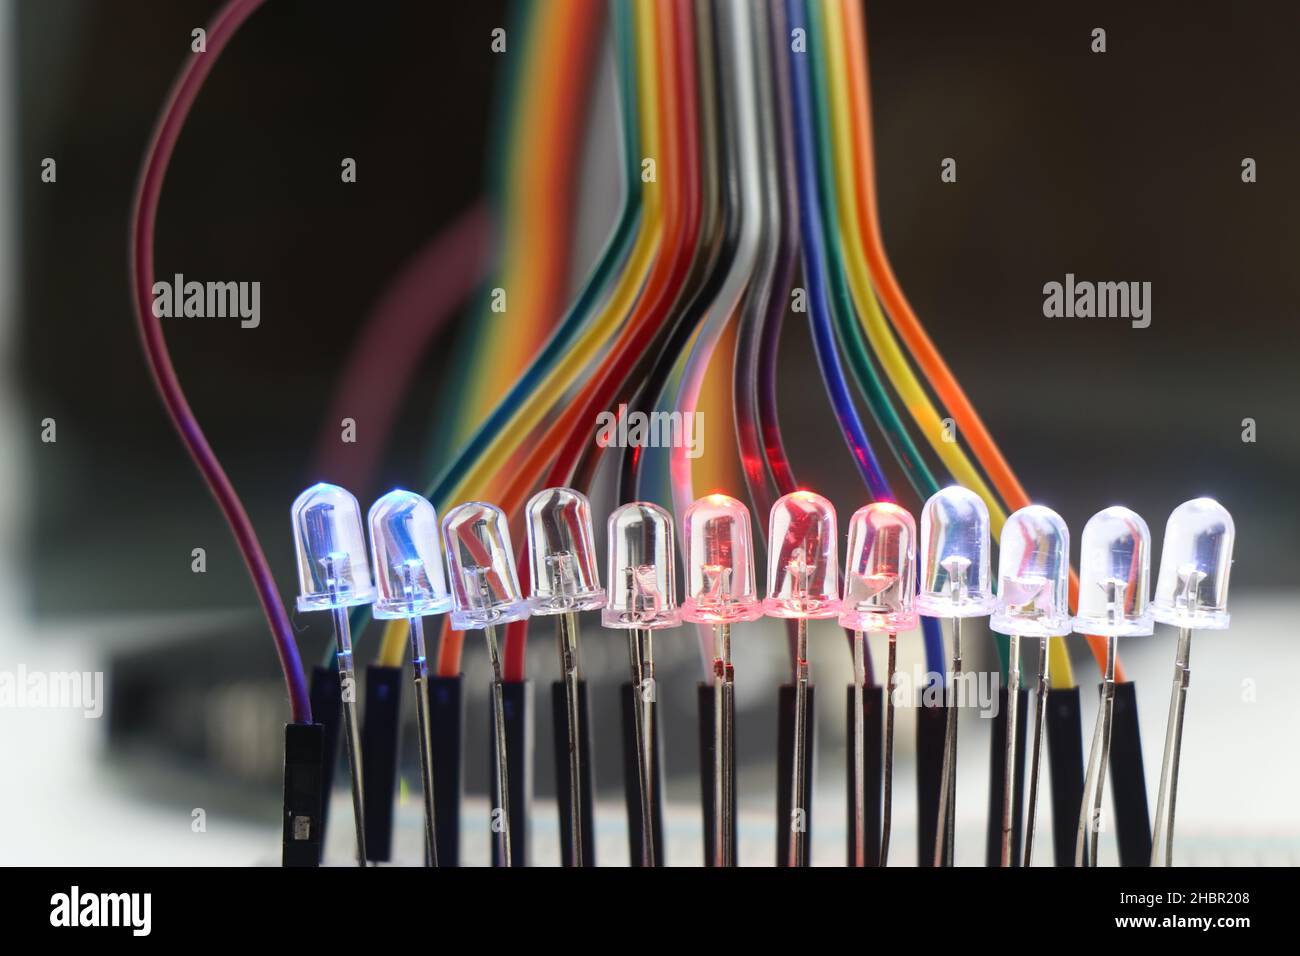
{"x": 143, "y": 217}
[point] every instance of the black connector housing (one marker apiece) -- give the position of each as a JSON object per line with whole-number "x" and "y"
{"x": 304, "y": 794}
{"x": 997, "y": 769}
{"x": 518, "y": 701}
{"x": 380, "y": 747}
{"x": 587, "y": 771}
{"x": 873, "y": 702}
{"x": 632, "y": 779}
{"x": 1132, "y": 817}
{"x": 785, "y": 771}
{"x": 931, "y": 722}
{"x": 446, "y": 739}
{"x": 708, "y": 748}
{"x": 327, "y": 710}
{"x": 1065, "y": 761}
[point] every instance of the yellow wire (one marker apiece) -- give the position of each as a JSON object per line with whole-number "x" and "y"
{"x": 495, "y": 458}
{"x": 877, "y": 328}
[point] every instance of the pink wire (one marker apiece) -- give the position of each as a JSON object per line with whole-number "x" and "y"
{"x": 144, "y": 214}
{"x": 395, "y": 337}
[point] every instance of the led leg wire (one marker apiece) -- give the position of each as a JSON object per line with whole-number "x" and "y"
{"x": 724, "y": 751}
{"x": 798, "y": 789}
{"x": 641, "y": 721}
{"x": 502, "y": 763}
{"x": 1094, "y": 783}
{"x": 943, "y": 837}
{"x": 351, "y": 729}
{"x": 567, "y": 634}
{"x": 420, "y": 670}
{"x": 1173, "y": 749}
{"x": 887, "y": 806}
{"x": 859, "y": 750}
{"x": 1009, "y": 758}
{"x": 1035, "y": 754}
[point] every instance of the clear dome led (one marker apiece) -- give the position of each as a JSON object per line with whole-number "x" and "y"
{"x": 642, "y": 576}
{"x": 955, "y": 556}
{"x": 880, "y": 570}
{"x": 1033, "y": 575}
{"x": 1114, "y": 575}
{"x": 331, "y": 545}
{"x": 1192, "y": 590}
{"x": 407, "y": 557}
{"x": 803, "y": 558}
{"x": 481, "y": 566}
{"x": 719, "y": 563}
{"x": 562, "y": 547}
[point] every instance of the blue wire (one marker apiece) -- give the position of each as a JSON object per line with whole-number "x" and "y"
{"x": 814, "y": 260}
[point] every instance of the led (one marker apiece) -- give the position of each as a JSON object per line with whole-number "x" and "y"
{"x": 333, "y": 575}
{"x": 331, "y": 546}
{"x": 1192, "y": 589}
{"x": 880, "y": 570}
{"x": 407, "y": 557}
{"x": 1114, "y": 575}
{"x": 1033, "y": 575}
{"x": 803, "y": 558}
{"x": 955, "y": 556}
{"x": 719, "y": 563}
{"x": 562, "y": 570}
{"x": 481, "y": 566}
{"x": 642, "y": 575}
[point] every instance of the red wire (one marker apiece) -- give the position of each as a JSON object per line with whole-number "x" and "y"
{"x": 143, "y": 218}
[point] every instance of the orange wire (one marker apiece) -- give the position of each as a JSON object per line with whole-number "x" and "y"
{"x": 900, "y": 311}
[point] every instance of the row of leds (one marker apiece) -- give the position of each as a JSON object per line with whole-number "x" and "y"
{"x": 880, "y": 592}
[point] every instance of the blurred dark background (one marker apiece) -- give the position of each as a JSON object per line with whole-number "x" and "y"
{"x": 1117, "y": 166}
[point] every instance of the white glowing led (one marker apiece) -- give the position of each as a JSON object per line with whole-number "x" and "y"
{"x": 955, "y": 556}
{"x": 642, "y": 572}
{"x": 719, "y": 563}
{"x": 803, "y": 558}
{"x": 481, "y": 566}
{"x": 407, "y": 557}
{"x": 331, "y": 547}
{"x": 1033, "y": 575}
{"x": 880, "y": 570}
{"x": 1192, "y": 589}
{"x": 1115, "y": 575}
{"x": 562, "y": 553}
